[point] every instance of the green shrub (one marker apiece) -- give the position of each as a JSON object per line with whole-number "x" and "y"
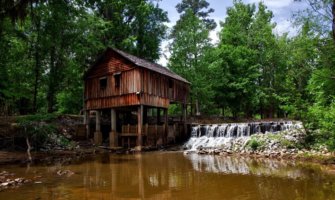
{"x": 288, "y": 144}
{"x": 255, "y": 144}
{"x": 37, "y": 128}
{"x": 320, "y": 123}
{"x": 37, "y": 132}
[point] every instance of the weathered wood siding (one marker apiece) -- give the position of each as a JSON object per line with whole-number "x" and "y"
{"x": 110, "y": 63}
{"x": 137, "y": 85}
{"x": 129, "y": 83}
{"x": 158, "y": 85}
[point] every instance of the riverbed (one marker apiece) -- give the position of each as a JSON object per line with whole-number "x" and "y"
{"x": 172, "y": 175}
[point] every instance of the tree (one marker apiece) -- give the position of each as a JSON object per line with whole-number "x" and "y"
{"x": 236, "y": 69}
{"x": 190, "y": 43}
{"x": 320, "y": 86}
{"x": 134, "y": 26}
{"x": 263, "y": 41}
{"x": 57, "y": 41}
{"x": 197, "y": 8}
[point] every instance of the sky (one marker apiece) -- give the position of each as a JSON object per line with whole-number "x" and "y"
{"x": 282, "y": 11}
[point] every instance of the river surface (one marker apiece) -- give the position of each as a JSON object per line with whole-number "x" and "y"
{"x": 173, "y": 175}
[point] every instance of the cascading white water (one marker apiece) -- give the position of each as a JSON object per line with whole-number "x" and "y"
{"x": 217, "y": 135}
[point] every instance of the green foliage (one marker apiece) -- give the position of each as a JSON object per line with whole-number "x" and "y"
{"x": 236, "y": 71}
{"x": 37, "y": 132}
{"x": 174, "y": 109}
{"x": 321, "y": 119}
{"x": 42, "y": 131}
{"x": 255, "y": 144}
{"x": 134, "y": 26}
{"x": 189, "y": 55}
{"x": 198, "y": 8}
{"x": 44, "y": 56}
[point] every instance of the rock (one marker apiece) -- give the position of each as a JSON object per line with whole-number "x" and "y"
{"x": 7, "y": 181}
{"x": 65, "y": 172}
{"x": 4, "y": 184}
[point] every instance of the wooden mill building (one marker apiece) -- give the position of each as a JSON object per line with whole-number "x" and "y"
{"x": 134, "y": 95}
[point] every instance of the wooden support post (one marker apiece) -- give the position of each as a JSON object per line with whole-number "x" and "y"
{"x": 139, "y": 128}
{"x": 145, "y": 114}
{"x": 113, "y": 137}
{"x": 146, "y": 129}
{"x": 156, "y": 134}
{"x": 166, "y": 125}
{"x": 87, "y": 120}
{"x": 97, "y": 133}
{"x": 184, "y": 121}
{"x": 158, "y": 119}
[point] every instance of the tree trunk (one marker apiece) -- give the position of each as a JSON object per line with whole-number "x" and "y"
{"x": 37, "y": 74}
{"x": 28, "y": 149}
{"x": 261, "y": 110}
{"x": 37, "y": 22}
{"x": 52, "y": 80}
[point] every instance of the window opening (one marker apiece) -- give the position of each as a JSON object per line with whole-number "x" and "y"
{"x": 103, "y": 83}
{"x": 117, "y": 79}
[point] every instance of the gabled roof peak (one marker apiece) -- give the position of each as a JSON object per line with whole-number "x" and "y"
{"x": 149, "y": 65}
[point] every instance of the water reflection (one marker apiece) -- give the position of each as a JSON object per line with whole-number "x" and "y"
{"x": 176, "y": 176}
{"x": 246, "y": 165}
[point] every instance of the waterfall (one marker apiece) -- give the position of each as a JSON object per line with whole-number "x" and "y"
{"x": 216, "y": 135}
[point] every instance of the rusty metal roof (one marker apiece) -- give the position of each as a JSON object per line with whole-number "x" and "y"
{"x": 149, "y": 65}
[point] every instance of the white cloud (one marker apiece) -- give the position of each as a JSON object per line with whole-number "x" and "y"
{"x": 273, "y": 3}
{"x": 282, "y": 27}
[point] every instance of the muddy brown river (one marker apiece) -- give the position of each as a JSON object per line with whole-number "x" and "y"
{"x": 173, "y": 175}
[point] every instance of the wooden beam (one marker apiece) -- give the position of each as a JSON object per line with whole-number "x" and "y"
{"x": 184, "y": 120}
{"x": 97, "y": 120}
{"x": 87, "y": 123}
{"x": 97, "y": 133}
{"x": 158, "y": 117}
{"x": 145, "y": 114}
{"x": 139, "y": 128}
{"x": 166, "y": 126}
{"x": 113, "y": 136}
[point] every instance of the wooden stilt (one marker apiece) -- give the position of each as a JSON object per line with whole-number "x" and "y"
{"x": 139, "y": 128}
{"x": 97, "y": 133}
{"x": 158, "y": 116}
{"x": 184, "y": 121}
{"x": 113, "y": 137}
{"x": 165, "y": 126}
{"x": 87, "y": 123}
